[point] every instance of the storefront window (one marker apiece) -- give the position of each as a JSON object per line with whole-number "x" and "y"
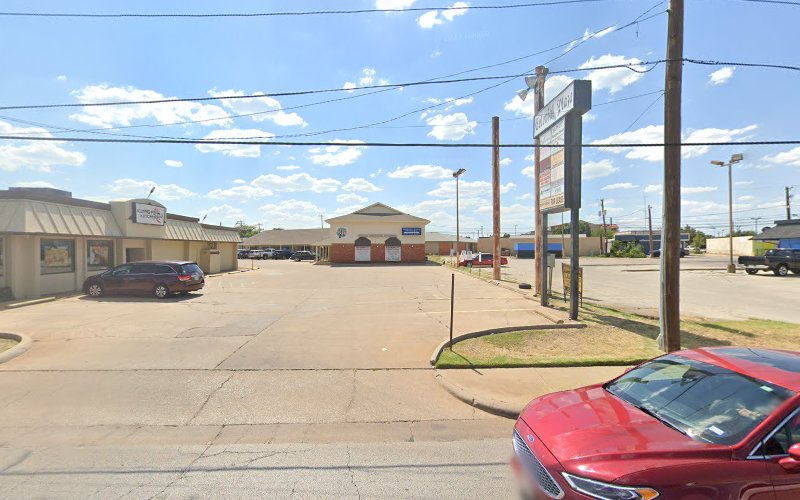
{"x": 57, "y": 256}
{"x": 99, "y": 254}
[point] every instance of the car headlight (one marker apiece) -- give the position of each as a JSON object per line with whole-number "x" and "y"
{"x": 606, "y": 491}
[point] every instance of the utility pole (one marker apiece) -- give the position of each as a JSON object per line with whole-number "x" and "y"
{"x": 670, "y": 318}
{"x": 457, "y": 174}
{"x": 496, "y": 197}
{"x": 788, "y": 205}
{"x": 515, "y": 229}
{"x": 604, "y": 238}
{"x": 539, "y": 238}
{"x": 321, "y": 224}
{"x": 650, "y": 227}
{"x": 755, "y": 224}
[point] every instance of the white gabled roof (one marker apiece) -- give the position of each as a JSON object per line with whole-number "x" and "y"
{"x": 375, "y": 211}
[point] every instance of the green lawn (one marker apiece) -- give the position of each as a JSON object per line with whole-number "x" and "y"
{"x": 610, "y": 338}
{"x": 6, "y": 344}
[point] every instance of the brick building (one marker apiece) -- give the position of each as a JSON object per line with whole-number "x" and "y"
{"x": 377, "y": 233}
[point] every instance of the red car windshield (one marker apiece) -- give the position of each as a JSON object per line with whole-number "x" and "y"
{"x": 706, "y": 402}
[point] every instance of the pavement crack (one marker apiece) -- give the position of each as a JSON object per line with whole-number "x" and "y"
{"x": 210, "y": 395}
{"x": 352, "y": 397}
{"x": 352, "y": 474}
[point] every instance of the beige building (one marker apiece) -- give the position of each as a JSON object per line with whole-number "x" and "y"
{"x": 588, "y": 245}
{"x": 288, "y": 239}
{"x": 51, "y": 242}
{"x": 742, "y": 245}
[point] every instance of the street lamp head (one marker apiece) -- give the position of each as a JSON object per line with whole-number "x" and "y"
{"x": 531, "y": 82}
{"x": 718, "y": 163}
{"x": 458, "y": 172}
{"x": 523, "y": 94}
{"x": 736, "y": 158}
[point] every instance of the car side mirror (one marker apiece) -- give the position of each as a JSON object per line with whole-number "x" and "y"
{"x": 792, "y": 462}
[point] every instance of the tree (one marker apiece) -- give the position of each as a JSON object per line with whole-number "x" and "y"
{"x": 506, "y": 235}
{"x": 246, "y": 231}
{"x": 696, "y": 237}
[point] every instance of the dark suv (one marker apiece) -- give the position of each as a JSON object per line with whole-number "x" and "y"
{"x": 158, "y": 277}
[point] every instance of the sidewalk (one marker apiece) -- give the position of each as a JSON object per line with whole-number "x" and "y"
{"x": 506, "y": 391}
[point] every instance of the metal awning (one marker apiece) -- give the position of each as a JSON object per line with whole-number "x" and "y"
{"x": 36, "y": 217}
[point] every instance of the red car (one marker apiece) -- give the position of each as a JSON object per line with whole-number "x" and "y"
{"x": 482, "y": 260}
{"x": 696, "y": 424}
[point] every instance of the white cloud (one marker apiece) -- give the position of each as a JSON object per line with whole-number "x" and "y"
{"x": 451, "y": 127}
{"x": 746, "y": 198}
{"x": 432, "y": 18}
{"x": 288, "y": 167}
{"x": 452, "y": 102}
{"x": 772, "y": 204}
{"x": 698, "y": 189}
{"x": 654, "y": 134}
{"x": 266, "y": 107}
{"x": 614, "y": 79}
{"x": 61, "y": 78}
{"x": 366, "y": 79}
{"x": 587, "y": 35}
{"x": 359, "y": 184}
{"x": 225, "y": 214}
{"x": 721, "y": 75}
{"x": 552, "y": 87}
{"x": 173, "y": 163}
{"x": 653, "y": 188}
{"x": 743, "y": 183}
{"x": 435, "y": 54}
{"x": 235, "y": 150}
{"x": 423, "y": 171}
{"x": 292, "y": 214}
{"x": 529, "y": 171}
{"x": 597, "y": 169}
{"x": 505, "y": 162}
{"x": 35, "y": 184}
{"x": 791, "y": 157}
{"x": 393, "y": 4}
{"x": 139, "y": 189}
{"x": 239, "y": 181}
{"x": 468, "y": 189}
{"x": 240, "y": 192}
{"x": 708, "y": 207}
{"x": 619, "y": 185}
{"x": 38, "y": 156}
{"x": 295, "y": 183}
{"x": 351, "y": 198}
{"x": 526, "y": 196}
{"x": 167, "y": 112}
{"x": 336, "y": 156}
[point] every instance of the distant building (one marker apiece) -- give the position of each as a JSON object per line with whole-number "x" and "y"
{"x": 786, "y": 233}
{"x": 643, "y": 239}
{"x": 442, "y": 244}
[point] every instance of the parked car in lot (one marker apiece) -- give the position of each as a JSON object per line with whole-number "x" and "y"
{"x": 242, "y": 253}
{"x": 702, "y": 424}
{"x": 684, "y": 252}
{"x": 160, "y": 278}
{"x": 482, "y": 260}
{"x": 282, "y": 254}
{"x": 256, "y": 254}
{"x": 778, "y": 260}
{"x": 303, "y": 255}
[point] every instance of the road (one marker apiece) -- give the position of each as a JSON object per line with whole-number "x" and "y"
{"x": 707, "y": 289}
{"x": 292, "y": 378}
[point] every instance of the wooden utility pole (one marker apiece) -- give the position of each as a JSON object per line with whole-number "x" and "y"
{"x": 604, "y": 238}
{"x": 540, "y": 243}
{"x": 788, "y": 205}
{"x": 670, "y": 317}
{"x": 496, "y": 197}
{"x": 650, "y": 227}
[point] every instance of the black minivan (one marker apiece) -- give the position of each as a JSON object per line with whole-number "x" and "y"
{"x": 160, "y": 278}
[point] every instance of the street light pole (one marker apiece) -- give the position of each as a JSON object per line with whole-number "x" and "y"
{"x": 736, "y": 158}
{"x": 457, "y": 174}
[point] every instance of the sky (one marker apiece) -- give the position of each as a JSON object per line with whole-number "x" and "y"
{"x": 80, "y": 61}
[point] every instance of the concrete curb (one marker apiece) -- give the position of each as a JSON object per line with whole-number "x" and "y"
{"x": 493, "y": 406}
{"x": 23, "y": 345}
{"x": 482, "y": 333}
{"x": 32, "y": 302}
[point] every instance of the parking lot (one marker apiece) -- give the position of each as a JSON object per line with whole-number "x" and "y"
{"x": 707, "y": 289}
{"x": 290, "y": 353}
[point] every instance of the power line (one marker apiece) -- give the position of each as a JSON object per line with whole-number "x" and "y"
{"x": 779, "y": 2}
{"x": 387, "y": 144}
{"x": 289, "y": 13}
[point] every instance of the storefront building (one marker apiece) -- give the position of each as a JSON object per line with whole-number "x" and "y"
{"x": 377, "y": 233}
{"x": 51, "y": 242}
{"x": 445, "y": 244}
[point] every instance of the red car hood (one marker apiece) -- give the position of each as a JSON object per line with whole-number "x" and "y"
{"x": 592, "y": 433}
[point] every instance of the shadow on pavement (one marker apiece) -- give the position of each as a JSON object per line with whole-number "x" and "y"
{"x": 689, "y": 339}
{"x": 141, "y": 298}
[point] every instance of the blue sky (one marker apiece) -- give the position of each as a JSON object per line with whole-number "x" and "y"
{"x": 81, "y": 61}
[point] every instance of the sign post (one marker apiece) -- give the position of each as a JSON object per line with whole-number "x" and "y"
{"x": 558, "y": 128}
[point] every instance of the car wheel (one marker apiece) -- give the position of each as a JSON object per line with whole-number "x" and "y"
{"x": 751, "y": 271}
{"x": 160, "y": 291}
{"x": 296, "y": 259}
{"x": 95, "y": 290}
{"x": 781, "y": 270}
